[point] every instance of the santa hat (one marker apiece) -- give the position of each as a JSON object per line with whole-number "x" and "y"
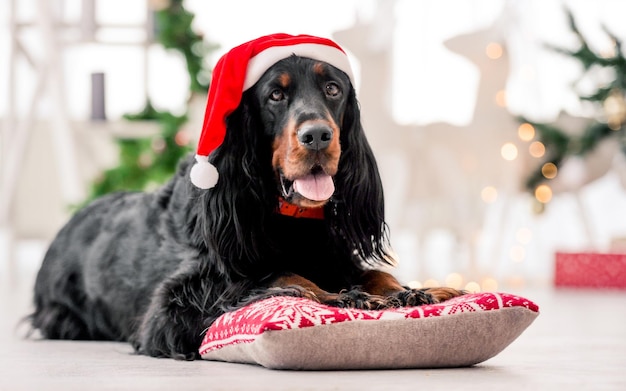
{"x": 240, "y": 69}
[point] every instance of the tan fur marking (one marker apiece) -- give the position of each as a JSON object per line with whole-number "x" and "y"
{"x": 284, "y": 80}
{"x": 318, "y": 68}
{"x": 280, "y": 148}
{"x": 443, "y": 293}
{"x": 309, "y": 289}
{"x": 377, "y": 282}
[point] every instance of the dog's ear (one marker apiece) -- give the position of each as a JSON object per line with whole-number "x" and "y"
{"x": 357, "y": 210}
{"x": 236, "y": 209}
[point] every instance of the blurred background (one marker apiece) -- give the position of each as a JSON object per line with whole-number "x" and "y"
{"x": 498, "y": 124}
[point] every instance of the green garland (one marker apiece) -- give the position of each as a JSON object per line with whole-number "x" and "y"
{"x": 558, "y": 144}
{"x": 145, "y": 163}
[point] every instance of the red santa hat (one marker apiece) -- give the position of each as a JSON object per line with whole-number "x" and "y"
{"x": 240, "y": 69}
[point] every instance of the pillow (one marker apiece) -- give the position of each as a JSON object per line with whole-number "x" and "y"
{"x": 296, "y": 333}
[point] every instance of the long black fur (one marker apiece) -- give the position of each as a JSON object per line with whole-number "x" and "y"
{"x": 156, "y": 269}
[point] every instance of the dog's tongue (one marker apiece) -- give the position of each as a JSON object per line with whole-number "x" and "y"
{"x": 315, "y": 187}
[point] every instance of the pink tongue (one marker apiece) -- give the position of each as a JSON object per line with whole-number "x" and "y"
{"x": 315, "y": 187}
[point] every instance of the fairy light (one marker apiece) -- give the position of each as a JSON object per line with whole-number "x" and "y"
{"x": 472, "y": 287}
{"x": 615, "y": 109}
{"x": 182, "y": 138}
{"x": 431, "y": 283}
{"x": 501, "y": 98}
{"x": 454, "y": 280}
{"x": 543, "y": 193}
{"x": 526, "y": 132}
{"x": 414, "y": 284}
{"x": 489, "y": 284}
{"x": 509, "y": 151}
{"x": 145, "y": 160}
{"x": 537, "y": 149}
{"x": 549, "y": 170}
{"x": 494, "y": 50}
{"x": 158, "y": 144}
{"x": 489, "y": 194}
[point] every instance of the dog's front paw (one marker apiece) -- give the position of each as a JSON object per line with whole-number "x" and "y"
{"x": 424, "y": 296}
{"x": 161, "y": 336}
{"x": 358, "y": 299}
{"x": 150, "y": 347}
{"x": 165, "y": 345}
{"x": 413, "y": 297}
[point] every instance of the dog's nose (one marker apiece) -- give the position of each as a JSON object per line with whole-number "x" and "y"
{"x": 315, "y": 137}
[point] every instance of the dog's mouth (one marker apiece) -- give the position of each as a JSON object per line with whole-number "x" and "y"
{"x": 316, "y": 187}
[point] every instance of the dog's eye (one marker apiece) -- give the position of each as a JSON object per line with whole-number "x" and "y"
{"x": 332, "y": 89}
{"x": 277, "y": 95}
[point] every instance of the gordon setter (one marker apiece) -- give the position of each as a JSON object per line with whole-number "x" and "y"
{"x": 298, "y": 211}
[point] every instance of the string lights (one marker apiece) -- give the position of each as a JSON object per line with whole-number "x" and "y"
{"x": 489, "y": 194}
{"x": 551, "y": 146}
{"x": 494, "y": 50}
{"x": 554, "y": 145}
{"x": 457, "y": 281}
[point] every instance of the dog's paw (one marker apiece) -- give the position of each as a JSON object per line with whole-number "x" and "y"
{"x": 358, "y": 299}
{"x": 424, "y": 296}
{"x": 162, "y": 352}
{"x": 160, "y": 336}
{"x": 413, "y": 297}
{"x": 163, "y": 346}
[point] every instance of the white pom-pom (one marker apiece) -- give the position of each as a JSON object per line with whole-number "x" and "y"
{"x": 203, "y": 174}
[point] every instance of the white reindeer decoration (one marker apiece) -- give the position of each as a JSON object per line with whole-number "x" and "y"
{"x": 434, "y": 174}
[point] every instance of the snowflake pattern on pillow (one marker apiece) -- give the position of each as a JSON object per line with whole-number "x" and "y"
{"x": 287, "y": 313}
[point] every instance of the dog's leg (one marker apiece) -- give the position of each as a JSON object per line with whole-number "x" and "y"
{"x": 296, "y": 285}
{"x": 175, "y": 319}
{"x": 380, "y": 283}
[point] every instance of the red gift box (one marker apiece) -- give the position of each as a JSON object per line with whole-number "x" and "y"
{"x": 590, "y": 270}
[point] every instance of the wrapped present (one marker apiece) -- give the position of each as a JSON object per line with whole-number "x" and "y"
{"x": 590, "y": 270}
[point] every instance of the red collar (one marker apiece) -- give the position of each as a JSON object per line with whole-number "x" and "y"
{"x": 287, "y": 209}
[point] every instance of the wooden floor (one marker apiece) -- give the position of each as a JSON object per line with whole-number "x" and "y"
{"x": 577, "y": 343}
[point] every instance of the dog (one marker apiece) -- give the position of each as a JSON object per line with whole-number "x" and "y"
{"x": 298, "y": 211}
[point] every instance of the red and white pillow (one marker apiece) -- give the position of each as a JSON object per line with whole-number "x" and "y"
{"x": 297, "y": 333}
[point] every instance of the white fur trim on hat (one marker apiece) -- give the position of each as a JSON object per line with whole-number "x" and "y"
{"x": 270, "y": 56}
{"x": 203, "y": 174}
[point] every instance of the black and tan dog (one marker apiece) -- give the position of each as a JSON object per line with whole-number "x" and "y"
{"x": 298, "y": 210}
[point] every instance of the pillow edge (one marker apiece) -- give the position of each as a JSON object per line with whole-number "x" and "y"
{"x": 287, "y": 349}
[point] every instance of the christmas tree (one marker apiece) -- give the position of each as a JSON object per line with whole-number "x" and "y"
{"x": 609, "y": 107}
{"x": 147, "y": 162}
